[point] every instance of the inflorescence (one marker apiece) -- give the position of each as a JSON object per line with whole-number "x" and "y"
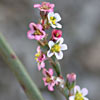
{"x": 53, "y": 47}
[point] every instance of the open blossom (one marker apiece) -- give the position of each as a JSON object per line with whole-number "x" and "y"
{"x": 54, "y": 18}
{"x": 45, "y": 6}
{"x": 56, "y": 48}
{"x": 40, "y": 58}
{"x": 49, "y": 79}
{"x": 56, "y": 34}
{"x": 79, "y": 94}
{"x": 36, "y": 31}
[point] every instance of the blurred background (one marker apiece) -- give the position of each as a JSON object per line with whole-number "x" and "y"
{"x": 81, "y": 31}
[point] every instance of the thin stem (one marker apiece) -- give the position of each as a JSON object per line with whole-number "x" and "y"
{"x": 64, "y": 92}
{"x": 55, "y": 65}
{"x": 19, "y": 70}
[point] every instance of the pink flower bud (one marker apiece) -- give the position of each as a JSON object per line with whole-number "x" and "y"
{"x": 56, "y": 34}
{"x": 71, "y": 77}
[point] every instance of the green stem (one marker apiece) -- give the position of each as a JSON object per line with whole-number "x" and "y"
{"x": 56, "y": 65}
{"x": 64, "y": 92}
{"x": 19, "y": 70}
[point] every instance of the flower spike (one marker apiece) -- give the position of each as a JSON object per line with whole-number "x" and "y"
{"x": 52, "y": 52}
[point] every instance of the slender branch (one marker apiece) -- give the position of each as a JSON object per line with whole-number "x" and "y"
{"x": 19, "y": 70}
{"x": 64, "y": 91}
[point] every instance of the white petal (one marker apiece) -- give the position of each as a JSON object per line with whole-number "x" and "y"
{"x": 60, "y": 41}
{"x": 51, "y": 43}
{"x": 58, "y": 25}
{"x": 86, "y": 98}
{"x": 49, "y": 53}
{"x": 77, "y": 88}
{"x": 64, "y": 47}
{"x": 59, "y": 55}
{"x": 71, "y": 97}
{"x": 84, "y": 91}
{"x": 53, "y": 26}
{"x": 58, "y": 18}
{"x": 58, "y": 79}
{"x": 50, "y": 14}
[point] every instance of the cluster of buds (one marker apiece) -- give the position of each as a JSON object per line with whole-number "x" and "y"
{"x": 54, "y": 47}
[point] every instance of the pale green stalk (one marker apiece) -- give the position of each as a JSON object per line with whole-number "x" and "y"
{"x": 19, "y": 70}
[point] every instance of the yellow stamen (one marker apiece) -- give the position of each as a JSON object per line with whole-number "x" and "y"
{"x": 78, "y": 96}
{"x": 48, "y": 79}
{"x": 37, "y": 32}
{"x": 37, "y": 54}
{"x": 57, "y": 34}
{"x": 56, "y": 48}
{"x": 45, "y": 7}
{"x": 53, "y": 20}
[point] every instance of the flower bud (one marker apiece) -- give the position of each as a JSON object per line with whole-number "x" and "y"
{"x": 71, "y": 80}
{"x": 71, "y": 77}
{"x": 56, "y": 34}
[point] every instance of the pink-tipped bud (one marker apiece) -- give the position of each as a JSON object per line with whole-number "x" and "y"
{"x": 71, "y": 80}
{"x": 71, "y": 77}
{"x": 56, "y": 34}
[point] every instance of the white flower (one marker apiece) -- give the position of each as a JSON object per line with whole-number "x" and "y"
{"x": 54, "y": 18}
{"x": 56, "y": 48}
{"x": 79, "y": 94}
